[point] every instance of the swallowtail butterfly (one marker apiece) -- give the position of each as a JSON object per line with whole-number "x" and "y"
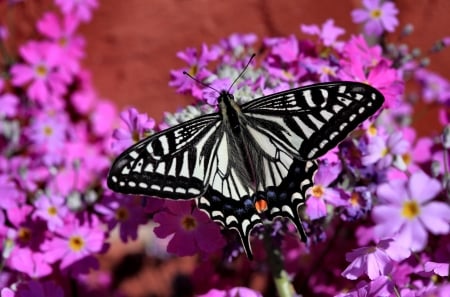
{"x": 251, "y": 161}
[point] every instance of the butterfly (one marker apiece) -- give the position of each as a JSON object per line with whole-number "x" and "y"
{"x": 250, "y": 162}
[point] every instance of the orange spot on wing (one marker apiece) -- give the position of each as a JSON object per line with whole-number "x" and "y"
{"x": 261, "y": 205}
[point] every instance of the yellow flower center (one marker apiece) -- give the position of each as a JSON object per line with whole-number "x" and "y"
{"x": 41, "y": 71}
{"x": 48, "y": 131}
{"x": 410, "y": 209}
{"x": 24, "y": 234}
{"x": 376, "y": 13}
{"x": 328, "y": 70}
{"x": 372, "y": 130}
{"x": 384, "y": 152}
{"x": 52, "y": 210}
{"x": 76, "y": 243}
{"x": 193, "y": 70}
{"x": 317, "y": 191}
{"x": 189, "y": 223}
{"x": 122, "y": 214}
{"x": 63, "y": 41}
{"x": 407, "y": 158}
{"x": 354, "y": 199}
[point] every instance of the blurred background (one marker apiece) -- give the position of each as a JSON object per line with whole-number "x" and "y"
{"x": 132, "y": 46}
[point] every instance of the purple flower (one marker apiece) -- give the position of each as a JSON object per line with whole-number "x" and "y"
{"x": 125, "y": 212}
{"x": 41, "y": 71}
{"x": 52, "y": 210}
{"x": 47, "y": 132}
{"x": 406, "y": 212}
{"x": 137, "y": 127}
{"x": 103, "y": 118}
{"x": 378, "y": 15}
{"x": 193, "y": 231}
{"x": 11, "y": 195}
{"x": 440, "y": 269}
{"x": 321, "y": 192}
{"x": 79, "y": 8}
{"x": 383, "y": 151}
{"x": 359, "y": 203}
{"x": 380, "y": 287}
{"x": 34, "y": 288}
{"x": 434, "y": 86}
{"x": 329, "y": 33}
{"x": 374, "y": 261}
{"x": 74, "y": 242}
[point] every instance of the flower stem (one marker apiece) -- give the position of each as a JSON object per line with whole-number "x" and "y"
{"x": 275, "y": 261}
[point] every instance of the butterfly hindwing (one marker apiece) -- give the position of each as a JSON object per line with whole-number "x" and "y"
{"x": 170, "y": 164}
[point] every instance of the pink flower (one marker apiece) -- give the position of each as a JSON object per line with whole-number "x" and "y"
{"x": 329, "y": 33}
{"x": 41, "y": 71}
{"x": 321, "y": 193}
{"x": 374, "y": 261}
{"x": 79, "y": 8}
{"x": 407, "y": 213}
{"x": 381, "y": 77}
{"x": 193, "y": 231}
{"x": 62, "y": 34}
{"x": 74, "y": 242}
{"x": 103, "y": 117}
{"x": 137, "y": 126}
{"x": 378, "y": 15}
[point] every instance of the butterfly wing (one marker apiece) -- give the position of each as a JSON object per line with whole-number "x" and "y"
{"x": 172, "y": 164}
{"x": 309, "y": 121}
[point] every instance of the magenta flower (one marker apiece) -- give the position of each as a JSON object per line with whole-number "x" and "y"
{"x": 193, "y": 231}
{"x": 378, "y": 16}
{"x": 197, "y": 63}
{"x": 234, "y": 292}
{"x": 32, "y": 263}
{"x": 287, "y": 49}
{"x": 374, "y": 261}
{"x": 103, "y": 118}
{"x": 40, "y": 71}
{"x": 11, "y": 195}
{"x": 74, "y": 242}
{"x": 328, "y": 34}
{"x": 62, "y": 34}
{"x": 406, "y": 212}
{"x": 137, "y": 126}
{"x": 9, "y": 103}
{"x": 79, "y": 8}
{"x": 321, "y": 193}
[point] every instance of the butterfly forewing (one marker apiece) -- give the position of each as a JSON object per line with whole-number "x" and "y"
{"x": 171, "y": 164}
{"x": 313, "y": 119}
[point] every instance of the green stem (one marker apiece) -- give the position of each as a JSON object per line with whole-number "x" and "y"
{"x": 275, "y": 261}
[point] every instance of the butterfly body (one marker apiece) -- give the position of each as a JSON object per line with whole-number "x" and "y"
{"x": 263, "y": 150}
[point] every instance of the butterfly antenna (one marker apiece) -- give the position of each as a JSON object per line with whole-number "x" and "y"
{"x": 242, "y": 72}
{"x": 200, "y": 82}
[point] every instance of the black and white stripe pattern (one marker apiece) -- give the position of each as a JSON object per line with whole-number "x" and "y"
{"x": 263, "y": 149}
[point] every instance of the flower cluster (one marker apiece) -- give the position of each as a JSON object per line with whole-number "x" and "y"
{"x": 377, "y": 216}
